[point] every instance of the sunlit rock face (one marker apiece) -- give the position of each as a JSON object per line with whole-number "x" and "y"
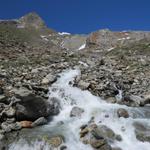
{"x": 32, "y": 20}
{"x": 106, "y": 39}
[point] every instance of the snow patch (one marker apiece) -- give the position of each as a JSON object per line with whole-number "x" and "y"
{"x": 125, "y": 38}
{"x": 64, "y": 33}
{"x": 82, "y": 47}
{"x": 44, "y": 37}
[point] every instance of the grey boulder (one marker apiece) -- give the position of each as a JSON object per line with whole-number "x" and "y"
{"x": 31, "y": 107}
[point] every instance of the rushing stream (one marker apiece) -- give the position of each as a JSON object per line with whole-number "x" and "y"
{"x": 69, "y": 97}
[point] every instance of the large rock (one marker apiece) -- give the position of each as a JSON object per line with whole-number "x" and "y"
{"x": 32, "y": 107}
{"x": 76, "y": 112}
{"x": 97, "y": 143}
{"x": 55, "y": 141}
{"x": 133, "y": 100}
{"x": 142, "y": 131}
{"x": 122, "y": 113}
{"x": 97, "y": 136}
{"x": 54, "y": 105}
{"x": 103, "y": 131}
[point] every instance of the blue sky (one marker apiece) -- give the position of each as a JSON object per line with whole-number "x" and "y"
{"x": 83, "y": 16}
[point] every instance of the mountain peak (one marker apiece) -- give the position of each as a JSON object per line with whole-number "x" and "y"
{"x": 32, "y": 19}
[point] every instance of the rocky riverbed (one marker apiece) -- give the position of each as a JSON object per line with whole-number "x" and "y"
{"x": 101, "y": 103}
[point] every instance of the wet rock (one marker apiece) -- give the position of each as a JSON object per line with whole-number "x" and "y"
{"x": 118, "y": 138}
{"x": 105, "y": 147}
{"x": 97, "y": 136}
{"x": 103, "y": 131}
{"x": 123, "y": 128}
{"x": 84, "y": 140}
{"x": 106, "y": 115}
{"x": 92, "y": 126}
{"x": 133, "y": 100}
{"x": 91, "y": 120}
{"x": 83, "y": 132}
{"x": 97, "y": 143}
{"x": 39, "y": 121}
{"x": 55, "y": 141}
{"x": 63, "y": 147}
{"x": 83, "y": 126}
{"x": 76, "y": 112}
{"x": 54, "y": 105}
{"x": 122, "y": 113}
{"x": 142, "y": 131}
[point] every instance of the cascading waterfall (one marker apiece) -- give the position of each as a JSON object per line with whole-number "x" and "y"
{"x": 69, "y": 97}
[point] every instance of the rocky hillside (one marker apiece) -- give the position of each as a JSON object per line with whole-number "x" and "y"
{"x": 114, "y": 66}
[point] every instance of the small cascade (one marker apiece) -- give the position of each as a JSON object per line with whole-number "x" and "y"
{"x": 119, "y": 95}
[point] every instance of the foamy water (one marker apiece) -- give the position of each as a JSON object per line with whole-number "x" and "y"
{"x": 93, "y": 106}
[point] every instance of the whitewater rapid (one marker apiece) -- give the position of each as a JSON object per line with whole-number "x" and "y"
{"x": 93, "y": 106}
